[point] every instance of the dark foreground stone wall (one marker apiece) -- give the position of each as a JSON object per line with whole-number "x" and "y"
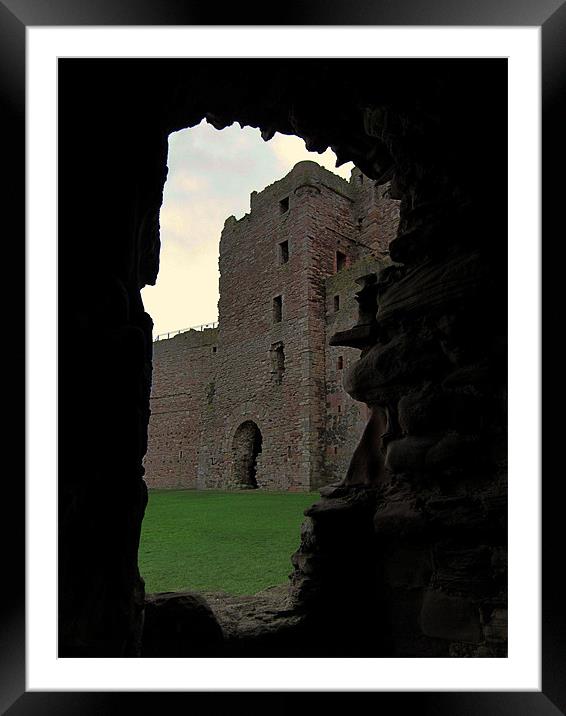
{"x": 407, "y": 556}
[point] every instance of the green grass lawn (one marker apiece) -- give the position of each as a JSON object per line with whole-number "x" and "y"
{"x": 235, "y": 542}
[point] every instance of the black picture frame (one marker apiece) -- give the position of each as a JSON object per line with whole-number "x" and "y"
{"x": 15, "y": 17}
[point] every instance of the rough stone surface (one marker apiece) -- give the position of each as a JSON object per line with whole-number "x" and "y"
{"x": 180, "y": 624}
{"x": 263, "y": 624}
{"x": 183, "y": 387}
{"x": 451, "y": 618}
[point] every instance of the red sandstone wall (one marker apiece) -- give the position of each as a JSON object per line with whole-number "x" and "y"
{"x": 309, "y": 425}
{"x": 376, "y": 216}
{"x": 289, "y": 414}
{"x": 183, "y": 375}
{"x": 345, "y": 417}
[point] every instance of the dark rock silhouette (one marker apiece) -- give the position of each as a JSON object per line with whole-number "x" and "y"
{"x": 180, "y": 625}
{"x": 412, "y": 564}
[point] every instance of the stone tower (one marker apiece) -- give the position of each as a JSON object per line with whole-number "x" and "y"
{"x": 267, "y": 420}
{"x": 267, "y": 409}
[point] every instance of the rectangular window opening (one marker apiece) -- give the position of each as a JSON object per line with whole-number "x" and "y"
{"x": 340, "y": 261}
{"x": 283, "y": 252}
{"x": 284, "y": 205}
{"x": 336, "y": 304}
{"x": 340, "y": 363}
{"x": 277, "y": 309}
{"x": 277, "y": 362}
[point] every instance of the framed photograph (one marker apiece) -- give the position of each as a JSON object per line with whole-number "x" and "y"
{"x": 374, "y": 360}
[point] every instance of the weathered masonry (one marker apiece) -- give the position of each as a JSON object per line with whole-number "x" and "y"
{"x": 258, "y": 401}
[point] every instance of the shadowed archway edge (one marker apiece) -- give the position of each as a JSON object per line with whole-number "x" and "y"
{"x": 246, "y": 447}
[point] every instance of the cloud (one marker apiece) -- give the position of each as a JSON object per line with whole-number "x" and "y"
{"x": 192, "y": 224}
{"x": 187, "y": 292}
{"x": 190, "y": 183}
{"x": 211, "y": 176}
{"x": 290, "y": 149}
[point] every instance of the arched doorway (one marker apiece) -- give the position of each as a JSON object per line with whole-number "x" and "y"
{"x": 246, "y": 446}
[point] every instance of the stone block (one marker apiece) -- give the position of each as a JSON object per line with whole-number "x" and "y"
{"x": 408, "y": 454}
{"x": 463, "y": 569}
{"x": 454, "y": 451}
{"x": 430, "y": 410}
{"x": 449, "y": 617}
{"x": 496, "y": 628}
{"x": 399, "y": 519}
{"x": 179, "y": 624}
{"x": 407, "y": 566}
{"x": 457, "y": 513}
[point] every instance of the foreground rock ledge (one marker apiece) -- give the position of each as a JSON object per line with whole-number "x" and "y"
{"x": 186, "y": 624}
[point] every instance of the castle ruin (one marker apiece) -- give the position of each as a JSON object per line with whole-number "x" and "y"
{"x": 406, "y": 558}
{"x": 258, "y": 400}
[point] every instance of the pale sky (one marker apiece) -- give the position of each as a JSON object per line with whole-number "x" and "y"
{"x": 211, "y": 176}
